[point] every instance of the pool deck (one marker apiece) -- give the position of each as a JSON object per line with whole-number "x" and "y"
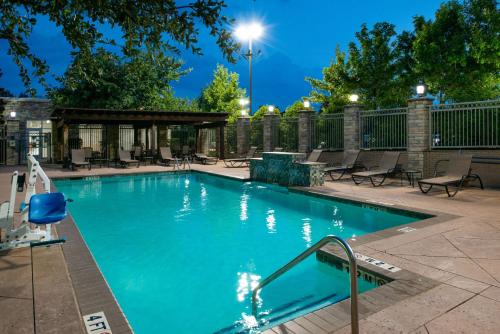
{"x": 456, "y": 263}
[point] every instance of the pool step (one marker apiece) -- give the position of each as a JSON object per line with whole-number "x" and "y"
{"x": 278, "y": 314}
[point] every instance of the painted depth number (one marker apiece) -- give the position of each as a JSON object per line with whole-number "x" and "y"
{"x": 96, "y": 323}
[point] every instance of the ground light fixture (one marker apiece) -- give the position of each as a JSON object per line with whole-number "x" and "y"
{"x": 13, "y": 114}
{"x": 307, "y": 104}
{"x": 354, "y": 98}
{"x": 420, "y": 89}
{"x": 248, "y": 33}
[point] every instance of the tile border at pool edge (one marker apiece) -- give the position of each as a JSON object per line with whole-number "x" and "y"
{"x": 91, "y": 289}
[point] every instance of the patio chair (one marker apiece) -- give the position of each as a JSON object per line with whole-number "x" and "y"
{"x": 78, "y": 159}
{"x": 456, "y": 173}
{"x": 314, "y": 155}
{"x": 349, "y": 163}
{"x": 240, "y": 162}
{"x": 126, "y": 160}
{"x": 166, "y": 157}
{"x": 205, "y": 159}
{"x": 388, "y": 165}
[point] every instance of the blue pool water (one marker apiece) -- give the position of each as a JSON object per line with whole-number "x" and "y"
{"x": 182, "y": 252}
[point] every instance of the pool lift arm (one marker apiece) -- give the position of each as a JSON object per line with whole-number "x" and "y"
{"x": 26, "y": 233}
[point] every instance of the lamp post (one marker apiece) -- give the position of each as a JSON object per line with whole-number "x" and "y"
{"x": 249, "y": 32}
{"x": 353, "y": 98}
{"x": 420, "y": 89}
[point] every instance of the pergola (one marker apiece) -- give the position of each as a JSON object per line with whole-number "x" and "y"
{"x": 110, "y": 121}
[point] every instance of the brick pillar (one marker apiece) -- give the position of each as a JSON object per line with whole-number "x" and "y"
{"x": 305, "y": 131}
{"x": 418, "y": 132}
{"x": 351, "y": 126}
{"x": 242, "y": 135}
{"x": 268, "y": 124}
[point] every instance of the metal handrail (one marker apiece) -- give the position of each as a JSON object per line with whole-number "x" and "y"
{"x": 353, "y": 271}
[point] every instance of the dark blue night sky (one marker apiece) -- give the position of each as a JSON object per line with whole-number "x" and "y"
{"x": 299, "y": 40}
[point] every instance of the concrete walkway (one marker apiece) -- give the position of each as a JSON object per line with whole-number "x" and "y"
{"x": 462, "y": 255}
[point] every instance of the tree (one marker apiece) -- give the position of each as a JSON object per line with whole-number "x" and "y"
{"x": 264, "y": 109}
{"x": 223, "y": 94}
{"x": 157, "y": 26}
{"x": 105, "y": 80}
{"x": 332, "y": 92}
{"x": 294, "y": 109}
{"x": 373, "y": 67}
{"x": 457, "y": 53}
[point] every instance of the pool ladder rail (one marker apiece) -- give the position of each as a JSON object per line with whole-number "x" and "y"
{"x": 353, "y": 273}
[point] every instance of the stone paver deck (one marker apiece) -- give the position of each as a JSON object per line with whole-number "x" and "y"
{"x": 459, "y": 257}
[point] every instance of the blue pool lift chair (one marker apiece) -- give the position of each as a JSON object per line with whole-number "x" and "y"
{"x": 47, "y": 208}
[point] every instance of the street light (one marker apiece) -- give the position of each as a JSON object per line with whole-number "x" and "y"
{"x": 249, "y": 32}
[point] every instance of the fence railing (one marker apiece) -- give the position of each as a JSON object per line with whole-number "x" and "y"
{"x": 465, "y": 125}
{"x": 327, "y": 131}
{"x": 257, "y": 134}
{"x": 383, "y": 129}
{"x": 90, "y": 135}
{"x": 231, "y": 137}
{"x": 285, "y": 133}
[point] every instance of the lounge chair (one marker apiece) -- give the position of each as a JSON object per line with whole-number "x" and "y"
{"x": 205, "y": 159}
{"x": 126, "y": 160}
{"x": 347, "y": 166}
{"x": 314, "y": 155}
{"x": 166, "y": 157}
{"x": 239, "y": 162}
{"x": 456, "y": 173}
{"x": 78, "y": 159}
{"x": 388, "y": 164}
{"x": 278, "y": 149}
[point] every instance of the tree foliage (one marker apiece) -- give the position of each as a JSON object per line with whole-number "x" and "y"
{"x": 264, "y": 109}
{"x": 105, "y": 80}
{"x": 294, "y": 109}
{"x": 456, "y": 55}
{"x": 157, "y": 26}
{"x": 223, "y": 94}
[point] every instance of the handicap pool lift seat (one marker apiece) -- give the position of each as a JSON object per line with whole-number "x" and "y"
{"x": 36, "y": 211}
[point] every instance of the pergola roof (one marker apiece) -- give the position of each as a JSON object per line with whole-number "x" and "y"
{"x": 138, "y": 117}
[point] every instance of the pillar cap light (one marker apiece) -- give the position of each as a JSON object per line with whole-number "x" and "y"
{"x": 270, "y": 108}
{"x": 354, "y": 98}
{"x": 307, "y": 104}
{"x": 13, "y": 114}
{"x": 243, "y": 112}
{"x": 243, "y": 102}
{"x": 420, "y": 89}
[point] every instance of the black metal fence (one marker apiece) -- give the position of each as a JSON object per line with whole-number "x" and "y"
{"x": 465, "y": 125}
{"x": 285, "y": 133}
{"x": 327, "y": 131}
{"x": 383, "y": 129}
{"x": 3, "y": 145}
{"x": 231, "y": 137}
{"x": 257, "y": 134}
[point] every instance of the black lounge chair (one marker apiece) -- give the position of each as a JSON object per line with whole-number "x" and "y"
{"x": 388, "y": 164}
{"x": 314, "y": 155}
{"x": 456, "y": 173}
{"x": 347, "y": 166}
{"x": 126, "y": 160}
{"x": 78, "y": 159}
{"x": 241, "y": 162}
{"x": 166, "y": 157}
{"x": 205, "y": 159}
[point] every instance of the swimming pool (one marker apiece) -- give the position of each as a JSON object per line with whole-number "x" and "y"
{"x": 181, "y": 252}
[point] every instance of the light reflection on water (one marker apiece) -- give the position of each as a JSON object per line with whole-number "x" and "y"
{"x": 271, "y": 221}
